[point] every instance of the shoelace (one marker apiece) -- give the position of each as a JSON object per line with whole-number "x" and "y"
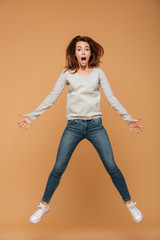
{"x": 134, "y": 209}
{"x": 39, "y": 206}
{"x": 133, "y": 204}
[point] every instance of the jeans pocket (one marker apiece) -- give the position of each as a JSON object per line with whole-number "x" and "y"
{"x": 96, "y": 120}
{"x": 72, "y": 121}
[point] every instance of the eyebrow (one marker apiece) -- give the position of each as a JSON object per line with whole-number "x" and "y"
{"x": 80, "y": 46}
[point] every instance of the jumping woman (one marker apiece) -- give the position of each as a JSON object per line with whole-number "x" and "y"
{"x": 84, "y": 77}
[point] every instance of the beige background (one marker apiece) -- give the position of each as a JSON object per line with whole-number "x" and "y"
{"x": 86, "y": 205}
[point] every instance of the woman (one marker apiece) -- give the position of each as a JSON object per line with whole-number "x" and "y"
{"x": 83, "y": 77}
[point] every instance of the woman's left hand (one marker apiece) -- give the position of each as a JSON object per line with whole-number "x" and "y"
{"x": 134, "y": 125}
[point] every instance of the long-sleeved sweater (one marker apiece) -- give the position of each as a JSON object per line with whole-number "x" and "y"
{"x": 83, "y": 97}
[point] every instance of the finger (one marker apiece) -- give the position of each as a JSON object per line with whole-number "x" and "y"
{"x": 137, "y": 126}
{"x": 135, "y": 120}
{"x": 141, "y": 130}
{"x": 136, "y": 130}
{"x": 23, "y": 115}
{"x": 21, "y": 124}
{"x": 20, "y": 121}
{"x": 140, "y": 126}
{"x": 24, "y": 125}
{"x": 27, "y": 126}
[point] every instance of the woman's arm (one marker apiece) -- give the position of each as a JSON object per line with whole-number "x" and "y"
{"x": 50, "y": 99}
{"x": 112, "y": 100}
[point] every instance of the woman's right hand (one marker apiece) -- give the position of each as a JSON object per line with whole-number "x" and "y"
{"x": 25, "y": 123}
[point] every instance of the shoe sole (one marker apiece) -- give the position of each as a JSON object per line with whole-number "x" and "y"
{"x": 39, "y": 219}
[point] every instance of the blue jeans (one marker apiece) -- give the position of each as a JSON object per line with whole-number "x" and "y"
{"x": 75, "y": 131}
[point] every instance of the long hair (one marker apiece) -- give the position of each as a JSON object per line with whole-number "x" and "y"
{"x": 97, "y": 52}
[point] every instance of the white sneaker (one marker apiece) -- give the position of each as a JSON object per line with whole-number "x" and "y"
{"x": 36, "y": 217}
{"x": 135, "y": 212}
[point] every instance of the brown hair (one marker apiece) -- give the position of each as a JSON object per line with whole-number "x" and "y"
{"x": 97, "y": 52}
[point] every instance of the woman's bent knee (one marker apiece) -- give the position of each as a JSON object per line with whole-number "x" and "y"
{"x": 57, "y": 172}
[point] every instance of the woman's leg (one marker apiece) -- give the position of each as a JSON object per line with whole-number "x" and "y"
{"x": 68, "y": 143}
{"x": 100, "y": 140}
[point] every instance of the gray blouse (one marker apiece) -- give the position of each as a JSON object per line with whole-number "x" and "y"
{"x": 83, "y": 97}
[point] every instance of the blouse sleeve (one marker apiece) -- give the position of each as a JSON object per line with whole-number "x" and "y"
{"x": 50, "y": 99}
{"x": 112, "y": 100}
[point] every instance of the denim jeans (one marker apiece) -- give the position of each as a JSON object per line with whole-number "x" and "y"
{"x": 75, "y": 131}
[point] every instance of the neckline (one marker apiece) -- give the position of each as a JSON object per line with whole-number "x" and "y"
{"x": 87, "y": 74}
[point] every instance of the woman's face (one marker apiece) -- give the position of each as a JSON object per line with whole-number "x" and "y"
{"x": 83, "y": 53}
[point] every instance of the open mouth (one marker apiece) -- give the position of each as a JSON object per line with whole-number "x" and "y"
{"x": 83, "y": 58}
